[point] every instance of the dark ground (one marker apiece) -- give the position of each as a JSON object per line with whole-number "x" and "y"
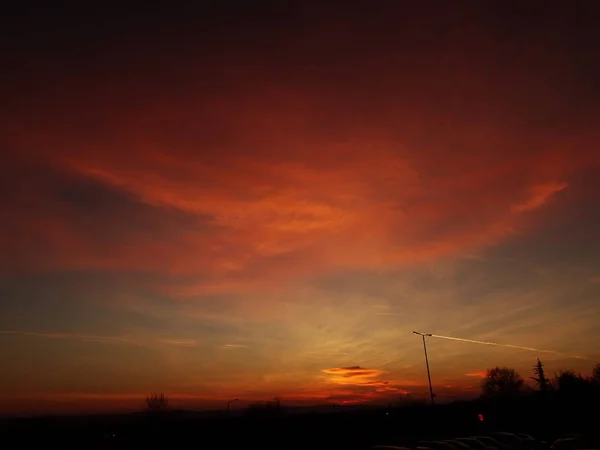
{"x": 342, "y": 430}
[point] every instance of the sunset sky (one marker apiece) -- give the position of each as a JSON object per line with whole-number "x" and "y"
{"x": 263, "y": 201}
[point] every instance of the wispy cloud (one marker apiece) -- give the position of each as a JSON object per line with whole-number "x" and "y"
{"x": 481, "y": 374}
{"x": 234, "y": 346}
{"x": 180, "y": 342}
{"x": 538, "y": 195}
{"x": 80, "y": 337}
{"x": 116, "y": 340}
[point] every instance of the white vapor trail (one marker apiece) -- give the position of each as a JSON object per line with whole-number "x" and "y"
{"x": 520, "y": 347}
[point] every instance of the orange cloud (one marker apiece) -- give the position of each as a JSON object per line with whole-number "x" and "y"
{"x": 366, "y": 382}
{"x": 358, "y": 376}
{"x": 352, "y": 372}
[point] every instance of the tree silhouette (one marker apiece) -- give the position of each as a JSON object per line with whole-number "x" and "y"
{"x": 570, "y": 383}
{"x": 501, "y": 382}
{"x": 596, "y": 374}
{"x": 266, "y": 408}
{"x": 540, "y": 378}
{"x": 157, "y": 403}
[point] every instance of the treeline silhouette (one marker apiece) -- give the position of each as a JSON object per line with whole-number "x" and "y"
{"x": 504, "y": 382}
{"x": 566, "y": 402}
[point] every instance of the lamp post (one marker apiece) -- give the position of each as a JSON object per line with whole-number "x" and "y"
{"x": 229, "y": 404}
{"x": 423, "y": 335}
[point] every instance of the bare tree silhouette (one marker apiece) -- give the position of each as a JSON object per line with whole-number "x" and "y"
{"x": 501, "y": 382}
{"x": 157, "y": 403}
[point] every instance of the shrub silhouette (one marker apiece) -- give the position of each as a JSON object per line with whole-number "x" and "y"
{"x": 157, "y": 403}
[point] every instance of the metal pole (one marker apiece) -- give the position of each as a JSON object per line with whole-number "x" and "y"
{"x": 428, "y": 373}
{"x": 424, "y": 335}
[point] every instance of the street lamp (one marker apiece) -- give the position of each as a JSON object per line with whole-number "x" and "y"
{"x": 230, "y": 402}
{"x": 423, "y": 335}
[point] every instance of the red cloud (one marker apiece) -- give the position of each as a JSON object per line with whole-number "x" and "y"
{"x": 255, "y": 223}
{"x": 262, "y": 183}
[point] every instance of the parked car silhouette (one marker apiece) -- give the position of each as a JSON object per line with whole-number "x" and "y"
{"x": 510, "y": 440}
{"x": 473, "y": 443}
{"x": 493, "y": 443}
{"x": 533, "y": 443}
{"x": 460, "y": 445}
{"x": 437, "y": 445}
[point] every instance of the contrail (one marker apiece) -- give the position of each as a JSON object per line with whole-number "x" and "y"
{"x": 520, "y": 347}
